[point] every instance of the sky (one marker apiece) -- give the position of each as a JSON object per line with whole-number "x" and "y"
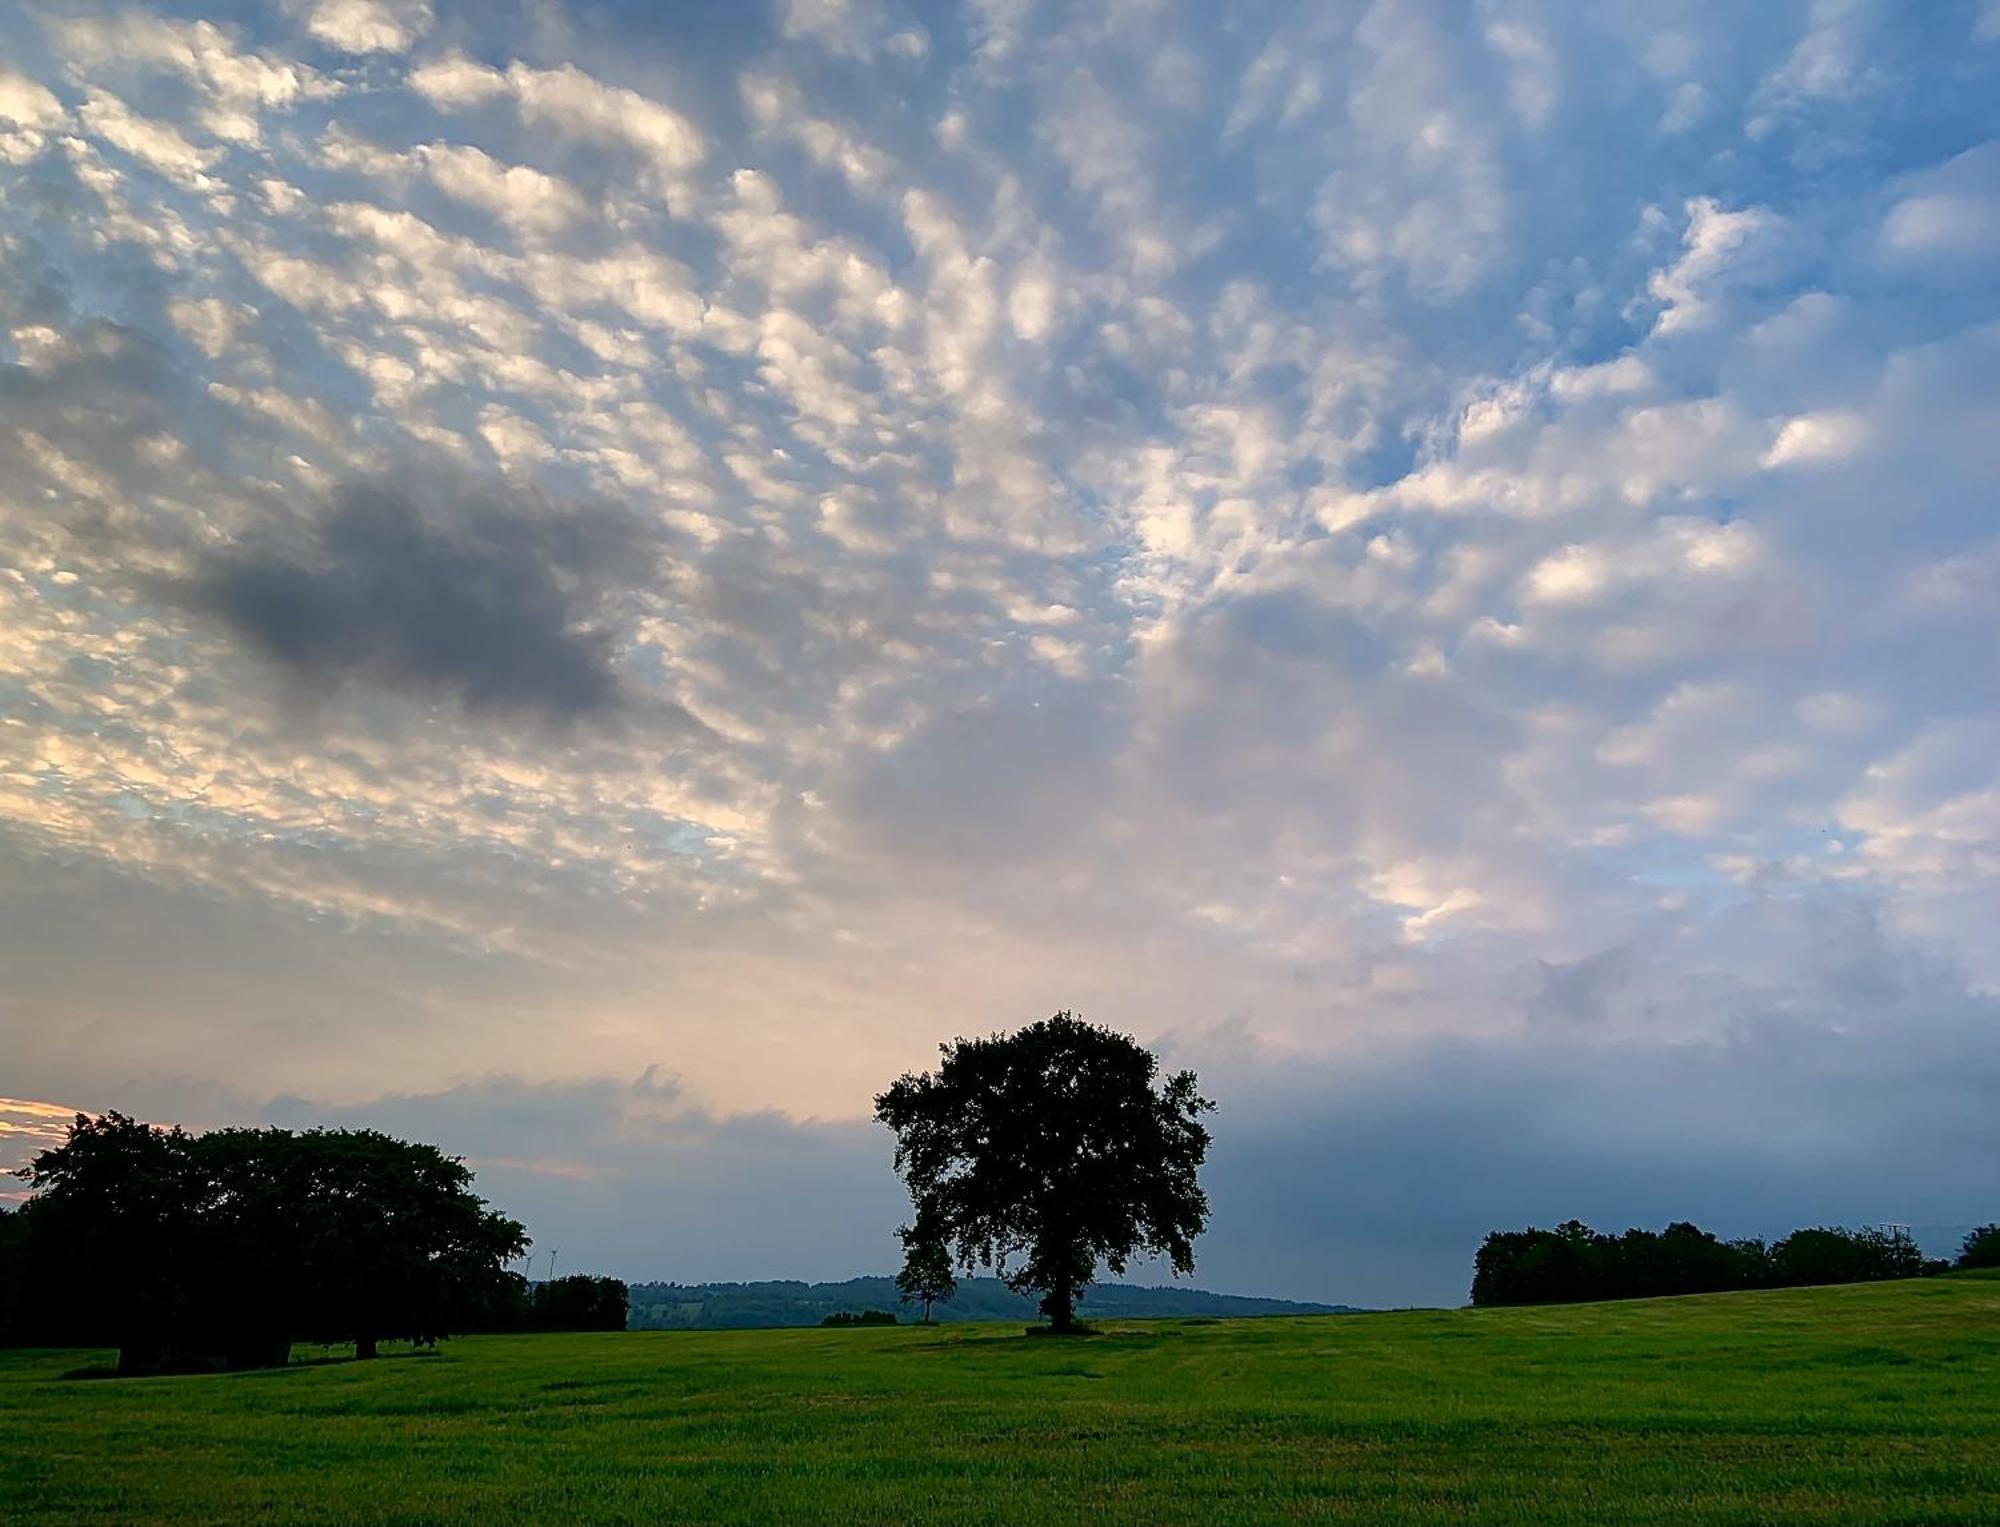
{"x": 588, "y": 582}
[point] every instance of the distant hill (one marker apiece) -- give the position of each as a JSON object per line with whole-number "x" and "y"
{"x": 720, "y": 1306}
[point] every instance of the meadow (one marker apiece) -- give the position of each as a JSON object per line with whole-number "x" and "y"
{"x": 1871, "y": 1403}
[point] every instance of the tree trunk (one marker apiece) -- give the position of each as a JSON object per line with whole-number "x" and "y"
{"x": 1060, "y": 1307}
{"x": 364, "y": 1346}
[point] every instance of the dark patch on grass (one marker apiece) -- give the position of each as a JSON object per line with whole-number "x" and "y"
{"x": 1865, "y": 1357}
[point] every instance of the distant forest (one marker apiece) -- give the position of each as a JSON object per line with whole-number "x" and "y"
{"x": 1573, "y": 1264}
{"x": 719, "y": 1306}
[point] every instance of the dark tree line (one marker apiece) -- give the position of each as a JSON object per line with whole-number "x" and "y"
{"x": 861, "y": 1318}
{"x": 191, "y": 1252}
{"x": 1573, "y": 1264}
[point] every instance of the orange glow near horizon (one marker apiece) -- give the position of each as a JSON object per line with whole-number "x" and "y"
{"x": 27, "y": 1126}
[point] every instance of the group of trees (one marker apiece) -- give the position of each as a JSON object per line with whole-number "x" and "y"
{"x": 861, "y": 1318}
{"x": 578, "y": 1302}
{"x": 1043, "y": 1154}
{"x": 220, "y": 1250}
{"x": 1981, "y": 1248}
{"x": 1574, "y": 1264}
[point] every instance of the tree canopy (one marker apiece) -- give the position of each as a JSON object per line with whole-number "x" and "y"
{"x": 1572, "y": 1263}
{"x": 926, "y": 1274}
{"x": 1981, "y": 1248}
{"x": 1046, "y": 1152}
{"x": 219, "y": 1250}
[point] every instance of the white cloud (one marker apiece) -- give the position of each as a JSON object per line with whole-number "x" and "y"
{"x": 236, "y": 86}
{"x": 519, "y": 196}
{"x": 573, "y": 104}
{"x": 370, "y": 26}
{"x": 155, "y": 143}
{"x": 454, "y": 82}
{"x": 1722, "y": 248}
{"x": 842, "y": 26}
{"x": 1277, "y": 523}
{"x": 27, "y": 103}
{"x": 28, "y": 111}
{"x": 1814, "y": 439}
{"x": 778, "y": 108}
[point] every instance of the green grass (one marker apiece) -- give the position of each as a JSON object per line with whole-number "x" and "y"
{"x": 1863, "y": 1404}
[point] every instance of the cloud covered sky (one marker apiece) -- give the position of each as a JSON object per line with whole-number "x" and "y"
{"x": 589, "y": 581}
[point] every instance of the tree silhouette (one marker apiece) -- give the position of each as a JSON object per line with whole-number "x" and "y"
{"x": 1981, "y": 1248}
{"x": 218, "y": 1250}
{"x": 1054, "y": 1146}
{"x": 394, "y": 1243}
{"x": 117, "y": 1242}
{"x": 927, "y": 1272}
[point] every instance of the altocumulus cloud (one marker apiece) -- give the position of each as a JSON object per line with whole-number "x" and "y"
{"x": 1436, "y": 563}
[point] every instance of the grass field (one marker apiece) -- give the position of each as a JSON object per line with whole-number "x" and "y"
{"x": 1862, "y": 1404}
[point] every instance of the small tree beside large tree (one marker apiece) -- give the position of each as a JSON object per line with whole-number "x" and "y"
{"x": 927, "y": 1274}
{"x": 1048, "y": 1152}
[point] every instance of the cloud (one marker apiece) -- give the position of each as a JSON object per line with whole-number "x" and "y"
{"x": 567, "y": 102}
{"x": 554, "y": 548}
{"x": 495, "y": 603}
{"x": 453, "y": 82}
{"x": 1724, "y": 248}
{"x": 1948, "y": 213}
{"x": 516, "y": 194}
{"x": 369, "y": 26}
{"x": 25, "y": 103}
{"x": 158, "y": 144}
{"x": 632, "y": 1179}
{"x": 1367, "y": 1178}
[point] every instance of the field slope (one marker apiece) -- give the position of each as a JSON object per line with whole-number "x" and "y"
{"x": 1862, "y": 1404}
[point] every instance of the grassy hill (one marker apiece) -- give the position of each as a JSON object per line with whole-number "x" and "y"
{"x": 732, "y": 1306}
{"x": 1866, "y": 1403}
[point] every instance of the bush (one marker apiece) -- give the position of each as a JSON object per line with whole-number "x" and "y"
{"x": 864, "y": 1318}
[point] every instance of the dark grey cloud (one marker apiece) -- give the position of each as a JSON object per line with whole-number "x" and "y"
{"x": 1577, "y": 991}
{"x": 491, "y": 599}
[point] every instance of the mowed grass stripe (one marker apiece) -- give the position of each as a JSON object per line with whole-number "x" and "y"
{"x": 1875, "y": 1403}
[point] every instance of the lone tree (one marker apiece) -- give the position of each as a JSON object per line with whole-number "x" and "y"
{"x": 927, "y": 1272}
{"x": 1053, "y": 1145}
